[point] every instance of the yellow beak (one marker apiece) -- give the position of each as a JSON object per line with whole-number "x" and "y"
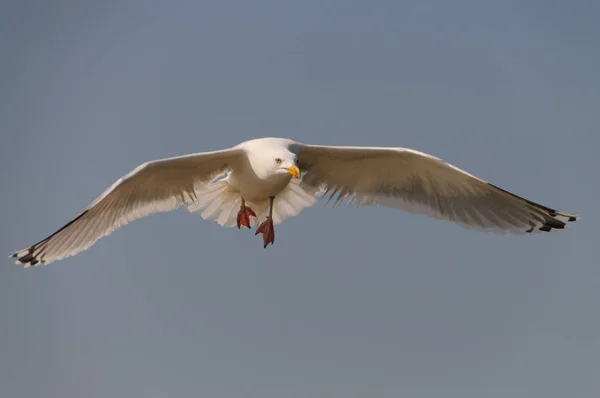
{"x": 294, "y": 171}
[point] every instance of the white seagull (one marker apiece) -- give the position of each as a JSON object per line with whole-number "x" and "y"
{"x": 259, "y": 182}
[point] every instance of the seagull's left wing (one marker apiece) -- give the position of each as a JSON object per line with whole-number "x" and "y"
{"x": 156, "y": 186}
{"x": 420, "y": 183}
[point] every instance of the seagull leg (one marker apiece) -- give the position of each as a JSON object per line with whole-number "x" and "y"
{"x": 243, "y": 217}
{"x": 266, "y": 228}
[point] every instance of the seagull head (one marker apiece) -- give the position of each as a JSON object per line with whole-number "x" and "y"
{"x": 286, "y": 164}
{"x": 270, "y": 157}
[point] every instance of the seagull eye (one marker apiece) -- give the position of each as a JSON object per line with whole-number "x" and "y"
{"x": 277, "y": 160}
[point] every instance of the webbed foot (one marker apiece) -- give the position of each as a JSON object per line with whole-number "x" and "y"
{"x": 243, "y": 217}
{"x": 268, "y": 231}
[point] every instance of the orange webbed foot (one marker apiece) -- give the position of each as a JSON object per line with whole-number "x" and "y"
{"x": 268, "y": 231}
{"x": 243, "y": 217}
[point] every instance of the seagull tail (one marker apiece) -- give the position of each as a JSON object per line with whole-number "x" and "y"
{"x": 290, "y": 202}
{"x": 217, "y": 202}
{"x": 220, "y": 203}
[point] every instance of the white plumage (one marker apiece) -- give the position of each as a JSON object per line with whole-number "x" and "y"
{"x": 236, "y": 186}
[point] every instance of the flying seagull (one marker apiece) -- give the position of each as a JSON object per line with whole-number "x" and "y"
{"x": 260, "y": 183}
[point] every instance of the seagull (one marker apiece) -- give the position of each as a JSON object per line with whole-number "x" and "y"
{"x": 263, "y": 181}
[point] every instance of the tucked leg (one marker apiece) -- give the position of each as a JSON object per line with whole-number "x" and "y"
{"x": 266, "y": 227}
{"x": 243, "y": 217}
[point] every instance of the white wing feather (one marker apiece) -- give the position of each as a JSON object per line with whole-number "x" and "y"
{"x": 420, "y": 183}
{"x": 156, "y": 186}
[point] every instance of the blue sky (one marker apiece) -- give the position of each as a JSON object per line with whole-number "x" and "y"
{"x": 348, "y": 302}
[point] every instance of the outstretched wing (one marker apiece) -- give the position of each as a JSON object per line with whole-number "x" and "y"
{"x": 420, "y": 183}
{"x": 156, "y": 186}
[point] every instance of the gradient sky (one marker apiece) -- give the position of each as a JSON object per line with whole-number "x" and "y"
{"x": 368, "y": 302}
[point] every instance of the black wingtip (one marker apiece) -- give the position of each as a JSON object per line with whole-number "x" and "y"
{"x": 28, "y": 257}
{"x": 553, "y": 219}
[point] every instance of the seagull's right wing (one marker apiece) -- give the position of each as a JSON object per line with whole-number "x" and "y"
{"x": 153, "y": 187}
{"x": 421, "y": 183}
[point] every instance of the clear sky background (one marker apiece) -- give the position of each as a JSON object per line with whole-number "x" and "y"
{"x": 349, "y": 302}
